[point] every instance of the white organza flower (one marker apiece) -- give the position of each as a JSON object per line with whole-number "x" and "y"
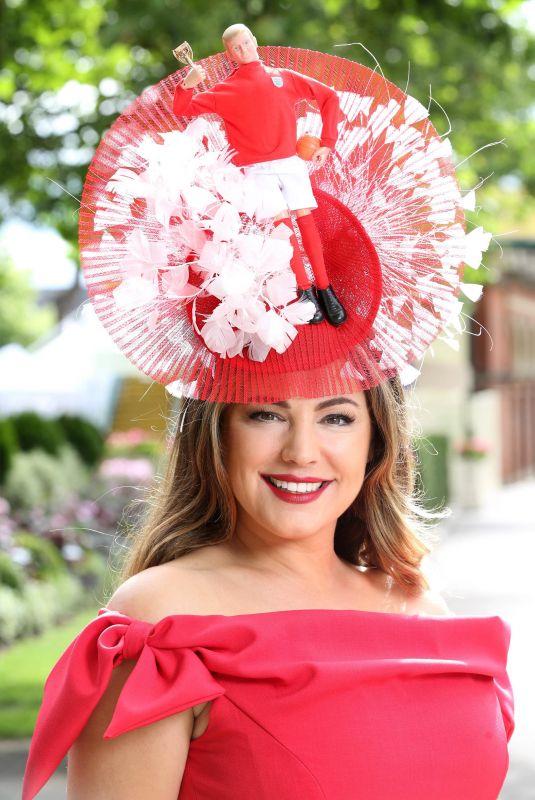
{"x": 226, "y": 223}
{"x": 228, "y": 181}
{"x": 219, "y": 336}
{"x": 275, "y": 331}
{"x": 213, "y": 257}
{"x": 258, "y": 349}
{"x": 247, "y": 314}
{"x": 268, "y": 254}
{"x": 135, "y": 292}
{"x": 143, "y": 256}
{"x": 299, "y": 313}
{"x": 175, "y": 283}
{"x": 190, "y": 235}
{"x": 202, "y": 211}
{"x": 234, "y": 279}
{"x": 281, "y": 289}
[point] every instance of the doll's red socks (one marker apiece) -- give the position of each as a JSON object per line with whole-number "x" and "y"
{"x": 313, "y": 249}
{"x": 296, "y": 263}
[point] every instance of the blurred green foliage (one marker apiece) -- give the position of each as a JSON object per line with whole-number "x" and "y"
{"x": 46, "y": 560}
{"x": 41, "y": 604}
{"x": 69, "y": 68}
{"x": 8, "y": 447}
{"x": 24, "y": 668}
{"x": 432, "y": 475}
{"x": 85, "y": 437}
{"x": 38, "y": 480}
{"x": 21, "y": 319}
{"x": 11, "y": 574}
{"x": 34, "y": 431}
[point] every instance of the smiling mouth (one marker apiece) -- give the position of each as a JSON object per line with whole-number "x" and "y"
{"x": 294, "y": 487}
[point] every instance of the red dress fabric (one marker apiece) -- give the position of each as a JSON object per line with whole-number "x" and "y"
{"x": 320, "y": 704}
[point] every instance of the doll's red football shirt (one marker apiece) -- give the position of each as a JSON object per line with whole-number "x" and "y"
{"x": 318, "y": 704}
{"x": 257, "y": 105}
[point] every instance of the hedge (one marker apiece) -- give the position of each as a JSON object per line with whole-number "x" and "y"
{"x": 85, "y": 437}
{"x": 38, "y": 606}
{"x": 36, "y": 432}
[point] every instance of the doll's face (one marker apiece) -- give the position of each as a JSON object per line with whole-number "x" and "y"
{"x": 242, "y": 48}
{"x": 296, "y": 466}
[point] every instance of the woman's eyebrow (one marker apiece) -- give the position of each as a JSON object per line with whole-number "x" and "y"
{"x": 332, "y": 401}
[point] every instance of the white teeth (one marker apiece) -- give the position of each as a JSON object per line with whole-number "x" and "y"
{"x": 298, "y": 488}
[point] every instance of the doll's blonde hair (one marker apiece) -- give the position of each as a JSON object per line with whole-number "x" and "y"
{"x": 233, "y": 30}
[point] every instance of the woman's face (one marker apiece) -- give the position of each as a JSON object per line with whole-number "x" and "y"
{"x": 297, "y": 465}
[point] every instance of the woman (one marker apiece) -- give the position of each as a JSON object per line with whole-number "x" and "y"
{"x": 280, "y": 638}
{"x": 275, "y": 636}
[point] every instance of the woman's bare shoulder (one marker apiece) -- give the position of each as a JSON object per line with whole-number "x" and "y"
{"x": 391, "y": 597}
{"x": 430, "y": 602}
{"x": 157, "y": 592}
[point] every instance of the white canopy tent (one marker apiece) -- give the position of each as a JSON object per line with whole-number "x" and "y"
{"x": 77, "y": 370}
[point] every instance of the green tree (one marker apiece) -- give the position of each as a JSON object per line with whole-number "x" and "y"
{"x": 21, "y": 320}
{"x": 69, "y": 67}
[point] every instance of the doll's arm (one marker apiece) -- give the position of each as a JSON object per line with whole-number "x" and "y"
{"x": 186, "y": 104}
{"x": 327, "y": 100}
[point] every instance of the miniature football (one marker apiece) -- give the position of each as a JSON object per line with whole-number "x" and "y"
{"x": 307, "y": 146}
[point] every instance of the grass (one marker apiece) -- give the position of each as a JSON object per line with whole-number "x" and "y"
{"x": 23, "y": 670}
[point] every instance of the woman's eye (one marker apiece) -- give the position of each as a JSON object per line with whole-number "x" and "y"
{"x": 268, "y": 416}
{"x": 339, "y": 419}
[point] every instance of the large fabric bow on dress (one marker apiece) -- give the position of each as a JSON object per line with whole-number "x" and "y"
{"x": 168, "y": 678}
{"x": 272, "y": 675}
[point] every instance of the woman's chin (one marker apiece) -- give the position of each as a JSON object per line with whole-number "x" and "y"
{"x": 295, "y": 525}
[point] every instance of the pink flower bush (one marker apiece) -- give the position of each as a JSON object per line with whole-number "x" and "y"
{"x": 129, "y": 438}
{"x": 473, "y": 447}
{"x": 130, "y": 469}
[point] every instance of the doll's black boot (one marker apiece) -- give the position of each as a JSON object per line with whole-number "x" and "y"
{"x": 310, "y": 294}
{"x": 334, "y": 310}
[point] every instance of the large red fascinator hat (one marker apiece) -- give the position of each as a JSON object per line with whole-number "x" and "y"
{"x": 198, "y": 292}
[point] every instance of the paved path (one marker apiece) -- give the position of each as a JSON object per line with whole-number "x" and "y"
{"x": 484, "y": 565}
{"x": 12, "y": 761}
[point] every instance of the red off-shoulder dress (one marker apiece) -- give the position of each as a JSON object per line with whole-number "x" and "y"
{"x": 319, "y": 704}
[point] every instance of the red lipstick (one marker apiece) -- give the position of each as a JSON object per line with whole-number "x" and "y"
{"x": 296, "y": 478}
{"x": 294, "y": 497}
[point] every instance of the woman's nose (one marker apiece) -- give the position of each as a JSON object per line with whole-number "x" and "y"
{"x": 300, "y": 445}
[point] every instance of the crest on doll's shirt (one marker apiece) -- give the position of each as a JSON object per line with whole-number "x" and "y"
{"x": 277, "y": 81}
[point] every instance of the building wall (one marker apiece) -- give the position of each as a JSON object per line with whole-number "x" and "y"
{"x": 488, "y": 387}
{"x": 505, "y": 362}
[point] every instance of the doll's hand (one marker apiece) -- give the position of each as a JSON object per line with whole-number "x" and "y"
{"x": 195, "y": 75}
{"x": 320, "y": 156}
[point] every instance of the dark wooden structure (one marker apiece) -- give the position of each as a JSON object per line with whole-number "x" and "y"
{"x": 507, "y": 363}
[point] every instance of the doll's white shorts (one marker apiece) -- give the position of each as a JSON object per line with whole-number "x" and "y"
{"x": 282, "y": 184}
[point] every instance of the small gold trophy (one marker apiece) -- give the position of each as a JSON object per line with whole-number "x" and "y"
{"x": 184, "y": 54}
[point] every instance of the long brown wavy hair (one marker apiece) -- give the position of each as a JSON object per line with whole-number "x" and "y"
{"x": 193, "y": 505}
